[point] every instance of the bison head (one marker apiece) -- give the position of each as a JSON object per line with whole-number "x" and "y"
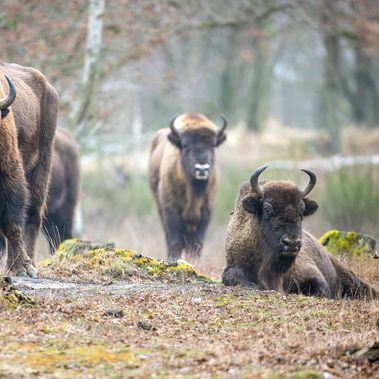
{"x": 196, "y": 138}
{"x": 7, "y": 101}
{"x": 279, "y": 207}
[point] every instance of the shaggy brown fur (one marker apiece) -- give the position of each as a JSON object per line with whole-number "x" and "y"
{"x": 26, "y": 133}
{"x": 184, "y": 203}
{"x": 64, "y": 189}
{"x": 252, "y": 259}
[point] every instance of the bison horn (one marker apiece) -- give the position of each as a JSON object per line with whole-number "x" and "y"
{"x": 9, "y": 99}
{"x": 172, "y": 126}
{"x": 254, "y": 180}
{"x": 224, "y": 124}
{"x": 311, "y": 183}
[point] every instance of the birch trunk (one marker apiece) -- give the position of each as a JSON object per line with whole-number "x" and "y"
{"x": 83, "y": 108}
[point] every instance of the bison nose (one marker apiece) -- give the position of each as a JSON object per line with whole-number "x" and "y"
{"x": 292, "y": 244}
{"x": 202, "y": 171}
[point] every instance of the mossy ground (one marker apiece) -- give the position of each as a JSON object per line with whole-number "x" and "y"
{"x": 108, "y": 264}
{"x": 11, "y": 297}
{"x": 172, "y": 322}
{"x": 187, "y": 331}
{"x": 351, "y": 244}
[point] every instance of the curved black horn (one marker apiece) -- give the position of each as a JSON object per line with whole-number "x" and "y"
{"x": 172, "y": 126}
{"x": 311, "y": 183}
{"x": 9, "y": 99}
{"x": 224, "y": 124}
{"x": 254, "y": 180}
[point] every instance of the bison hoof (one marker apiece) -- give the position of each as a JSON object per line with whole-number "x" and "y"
{"x": 22, "y": 274}
{"x": 32, "y": 272}
{"x": 28, "y": 271}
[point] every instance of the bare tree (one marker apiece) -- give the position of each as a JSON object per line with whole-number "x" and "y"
{"x": 82, "y": 112}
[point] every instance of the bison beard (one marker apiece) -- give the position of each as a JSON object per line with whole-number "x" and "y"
{"x": 266, "y": 247}
{"x": 26, "y": 133}
{"x": 183, "y": 179}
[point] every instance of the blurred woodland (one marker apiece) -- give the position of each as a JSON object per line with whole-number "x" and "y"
{"x": 308, "y": 64}
{"x": 299, "y": 79}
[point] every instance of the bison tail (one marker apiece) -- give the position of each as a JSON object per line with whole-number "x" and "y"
{"x": 350, "y": 286}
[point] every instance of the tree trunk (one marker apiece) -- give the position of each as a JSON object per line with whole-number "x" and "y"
{"x": 366, "y": 99}
{"x": 260, "y": 87}
{"x": 82, "y": 113}
{"x": 330, "y": 90}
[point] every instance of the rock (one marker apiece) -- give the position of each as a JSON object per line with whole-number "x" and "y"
{"x": 76, "y": 246}
{"x": 10, "y": 296}
{"x": 114, "y": 313}
{"x": 349, "y": 243}
{"x": 371, "y": 353}
{"x": 108, "y": 264}
{"x": 144, "y": 325}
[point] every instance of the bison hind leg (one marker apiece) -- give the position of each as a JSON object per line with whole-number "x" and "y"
{"x": 316, "y": 286}
{"x": 233, "y": 276}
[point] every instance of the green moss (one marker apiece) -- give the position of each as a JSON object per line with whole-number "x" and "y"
{"x": 349, "y": 243}
{"x": 117, "y": 264}
{"x": 307, "y": 374}
{"x": 87, "y": 356}
{"x": 11, "y": 297}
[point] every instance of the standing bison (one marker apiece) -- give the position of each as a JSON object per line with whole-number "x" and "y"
{"x": 27, "y": 127}
{"x": 267, "y": 248}
{"x": 64, "y": 189}
{"x": 183, "y": 179}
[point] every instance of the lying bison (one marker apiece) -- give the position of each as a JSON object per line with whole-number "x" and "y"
{"x": 267, "y": 248}
{"x": 64, "y": 189}
{"x": 183, "y": 179}
{"x": 27, "y": 128}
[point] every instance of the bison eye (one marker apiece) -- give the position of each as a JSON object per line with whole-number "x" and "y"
{"x": 267, "y": 209}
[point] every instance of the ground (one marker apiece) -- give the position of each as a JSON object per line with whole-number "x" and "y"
{"x": 158, "y": 327}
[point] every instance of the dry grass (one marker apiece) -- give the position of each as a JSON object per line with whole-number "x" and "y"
{"x": 187, "y": 331}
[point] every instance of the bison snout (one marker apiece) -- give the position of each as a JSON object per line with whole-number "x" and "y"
{"x": 202, "y": 171}
{"x": 290, "y": 244}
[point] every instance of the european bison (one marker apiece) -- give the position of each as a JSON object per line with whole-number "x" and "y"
{"x": 183, "y": 179}
{"x": 267, "y": 248}
{"x": 27, "y": 127}
{"x": 64, "y": 189}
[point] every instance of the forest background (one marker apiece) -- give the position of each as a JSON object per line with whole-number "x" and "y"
{"x": 298, "y": 81}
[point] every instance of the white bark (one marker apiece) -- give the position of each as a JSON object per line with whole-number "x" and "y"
{"x": 83, "y": 106}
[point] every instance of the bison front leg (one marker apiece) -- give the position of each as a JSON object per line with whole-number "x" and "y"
{"x": 174, "y": 231}
{"x": 17, "y": 260}
{"x": 195, "y": 235}
{"x": 233, "y": 276}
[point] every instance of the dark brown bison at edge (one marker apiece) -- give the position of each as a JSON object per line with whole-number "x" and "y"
{"x": 27, "y": 126}
{"x": 64, "y": 189}
{"x": 183, "y": 179}
{"x": 267, "y": 248}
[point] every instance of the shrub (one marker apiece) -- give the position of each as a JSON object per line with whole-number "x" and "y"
{"x": 350, "y": 199}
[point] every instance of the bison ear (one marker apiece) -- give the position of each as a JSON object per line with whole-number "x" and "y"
{"x": 251, "y": 204}
{"x": 310, "y": 207}
{"x": 220, "y": 139}
{"x": 174, "y": 139}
